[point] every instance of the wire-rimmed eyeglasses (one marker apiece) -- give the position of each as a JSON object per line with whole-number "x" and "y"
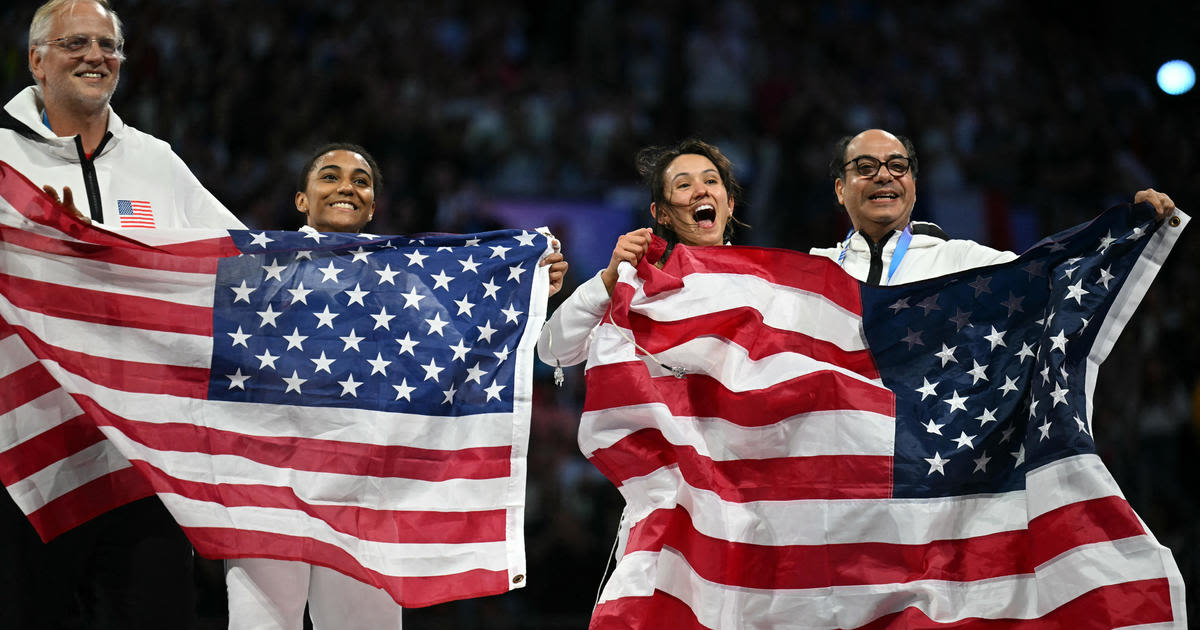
{"x": 78, "y": 44}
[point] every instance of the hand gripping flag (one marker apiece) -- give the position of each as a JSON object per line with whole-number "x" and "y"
{"x": 799, "y": 450}
{"x": 351, "y": 401}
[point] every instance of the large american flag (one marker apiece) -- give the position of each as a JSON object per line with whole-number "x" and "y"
{"x": 798, "y": 450}
{"x": 349, "y": 400}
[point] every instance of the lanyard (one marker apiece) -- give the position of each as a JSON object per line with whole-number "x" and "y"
{"x": 897, "y": 254}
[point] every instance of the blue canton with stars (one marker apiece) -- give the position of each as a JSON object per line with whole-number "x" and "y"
{"x": 426, "y": 325}
{"x": 988, "y": 365}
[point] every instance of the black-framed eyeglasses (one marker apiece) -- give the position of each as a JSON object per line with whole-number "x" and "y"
{"x": 868, "y": 166}
{"x": 78, "y": 44}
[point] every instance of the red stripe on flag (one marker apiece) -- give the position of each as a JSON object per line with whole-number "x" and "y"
{"x": 48, "y": 447}
{"x": 88, "y": 501}
{"x": 415, "y": 591}
{"x": 24, "y": 385}
{"x": 1094, "y": 520}
{"x": 994, "y": 555}
{"x": 385, "y": 526}
{"x": 659, "y": 610}
{"x": 117, "y": 310}
{"x": 699, "y": 395}
{"x": 745, "y": 327}
{"x": 813, "y": 274}
{"x": 314, "y": 454}
{"x": 1114, "y": 606}
{"x": 739, "y": 481}
{"x": 130, "y": 376}
{"x": 192, "y": 258}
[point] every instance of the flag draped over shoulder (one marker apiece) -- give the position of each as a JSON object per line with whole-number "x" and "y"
{"x": 799, "y": 450}
{"x": 351, "y": 401}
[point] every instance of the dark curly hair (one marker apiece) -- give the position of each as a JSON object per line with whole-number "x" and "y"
{"x": 652, "y": 163}
{"x": 376, "y": 176}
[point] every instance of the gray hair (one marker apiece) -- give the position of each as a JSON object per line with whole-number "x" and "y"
{"x": 43, "y": 18}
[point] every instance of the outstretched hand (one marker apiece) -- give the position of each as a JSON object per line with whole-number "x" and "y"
{"x": 630, "y": 248}
{"x": 67, "y": 201}
{"x": 558, "y": 267}
{"x": 1163, "y": 206}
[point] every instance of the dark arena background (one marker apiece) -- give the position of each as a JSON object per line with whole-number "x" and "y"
{"x": 1028, "y": 118}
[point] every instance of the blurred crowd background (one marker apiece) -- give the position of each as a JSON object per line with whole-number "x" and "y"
{"x": 1028, "y": 118}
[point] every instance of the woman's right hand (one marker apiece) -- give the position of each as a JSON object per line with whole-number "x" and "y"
{"x": 630, "y": 248}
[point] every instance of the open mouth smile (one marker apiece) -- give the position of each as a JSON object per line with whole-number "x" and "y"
{"x": 705, "y": 215}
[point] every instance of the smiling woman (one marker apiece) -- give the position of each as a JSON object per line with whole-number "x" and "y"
{"x": 337, "y": 188}
{"x": 693, "y": 192}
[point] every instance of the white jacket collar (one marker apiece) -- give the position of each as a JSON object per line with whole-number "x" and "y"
{"x": 26, "y": 108}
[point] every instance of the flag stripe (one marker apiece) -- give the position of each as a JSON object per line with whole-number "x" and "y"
{"x": 385, "y": 493}
{"x": 860, "y": 563}
{"x": 415, "y": 591}
{"x": 1131, "y": 603}
{"x": 288, "y": 421}
{"x": 135, "y": 376}
{"x": 1019, "y": 597}
{"x": 184, "y": 287}
{"x": 125, "y": 310}
{"x": 312, "y": 454}
{"x": 817, "y": 276}
{"x": 700, "y": 395}
{"x": 44, "y": 449}
{"x": 390, "y": 558}
{"x": 658, "y": 610}
{"x": 24, "y": 385}
{"x": 899, "y": 521}
{"x": 745, "y": 327}
{"x": 816, "y": 433}
{"x": 384, "y": 526}
{"x": 781, "y": 307}
{"x": 739, "y": 481}
{"x": 86, "y": 501}
{"x": 186, "y": 259}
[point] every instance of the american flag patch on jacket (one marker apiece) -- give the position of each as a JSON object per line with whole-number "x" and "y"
{"x": 135, "y": 213}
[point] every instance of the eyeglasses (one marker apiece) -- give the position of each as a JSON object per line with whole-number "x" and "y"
{"x": 79, "y": 44}
{"x": 867, "y": 166}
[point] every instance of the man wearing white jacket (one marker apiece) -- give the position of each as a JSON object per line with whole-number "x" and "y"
{"x": 131, "y": 567}
{"x": 875, "y": 179}
{"x": 62, "y": 132}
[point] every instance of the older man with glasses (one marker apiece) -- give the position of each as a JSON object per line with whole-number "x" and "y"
{"x": 63, "y": 133}
{"x": 131, "y": 567}
{"x": 875, "y": 179}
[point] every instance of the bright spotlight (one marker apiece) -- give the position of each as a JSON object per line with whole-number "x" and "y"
{"x": 1176, "y": 77}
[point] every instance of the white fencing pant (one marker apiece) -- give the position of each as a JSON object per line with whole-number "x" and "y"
{"x": 269, "y": 594}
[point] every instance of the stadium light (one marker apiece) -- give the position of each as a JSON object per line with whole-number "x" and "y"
{"x": 1176, "y": 77}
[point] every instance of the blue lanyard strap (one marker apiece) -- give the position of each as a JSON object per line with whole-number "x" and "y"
{"x": 901, "y": 250}
{"x": 897, "y": 254}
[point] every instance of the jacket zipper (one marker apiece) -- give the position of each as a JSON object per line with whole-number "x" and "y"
{"x": 91, "y": 183}
{"x": 876, "y": 270}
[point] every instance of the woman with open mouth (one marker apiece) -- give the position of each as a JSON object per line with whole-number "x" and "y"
{"x": 692, "y": 195}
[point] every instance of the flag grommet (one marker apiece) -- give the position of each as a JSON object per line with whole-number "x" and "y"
{"x": 1174, "y": 221}
{"x": 517, "y": 579}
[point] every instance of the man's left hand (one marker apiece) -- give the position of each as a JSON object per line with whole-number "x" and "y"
{"x": 1163, "y": 205}
{"x": 67, "y": 201}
